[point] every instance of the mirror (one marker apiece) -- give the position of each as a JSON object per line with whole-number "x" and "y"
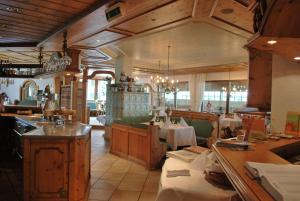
{"x": 29, "y": 90}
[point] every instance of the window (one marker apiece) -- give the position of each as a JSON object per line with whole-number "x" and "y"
{"x": 216, "y": 94}
{"x": 182, "y": 96}
{"x": 101, "y": 94}
{"x": 91, "y": 90}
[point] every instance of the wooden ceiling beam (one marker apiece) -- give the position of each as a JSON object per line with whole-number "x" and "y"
{"x": 21, "y": 66}
{"x": 19, "y": 44}
{"x": 194, "y": 70}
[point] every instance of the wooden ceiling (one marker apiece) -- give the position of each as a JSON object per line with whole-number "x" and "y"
{"x": 89, "y": 31}
{"x": 31, "y": 21}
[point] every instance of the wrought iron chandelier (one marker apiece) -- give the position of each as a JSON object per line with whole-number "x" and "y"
{"x": 164, "y": 83}
{"x": 58, "y": 61}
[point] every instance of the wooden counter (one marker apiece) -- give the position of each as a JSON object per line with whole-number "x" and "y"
{"x": 56, "y": 160}
{"x": 233, "y": 164}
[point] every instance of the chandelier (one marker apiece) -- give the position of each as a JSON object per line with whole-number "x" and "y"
{"x": 164, "y": 83}
{"x": 58, "y": 61}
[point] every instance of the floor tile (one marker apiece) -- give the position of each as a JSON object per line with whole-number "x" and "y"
{"x": 100, "y": 194}
{"x": 131, "y": 185}
{"x": 151, "y": 187}
{"x": 120, "y": 195}
{"x": 147, "y": 196}
{"x": 111, "y": 176}
{"x": 106, "y": 184}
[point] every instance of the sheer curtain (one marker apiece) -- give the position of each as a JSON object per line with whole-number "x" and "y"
{"x": 196, "y": 87}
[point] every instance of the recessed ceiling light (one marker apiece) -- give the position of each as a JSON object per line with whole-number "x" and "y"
{"x": 297, "y": 58}
{"x": 227, "y": 10}
{"x": 68, "y": 74}
{"x": 98, "y": 41}
{"x": 272, "y": 42}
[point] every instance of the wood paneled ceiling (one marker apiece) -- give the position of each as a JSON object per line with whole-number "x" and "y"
{"x": 31, "y": 21}
{"x": 42, "y": 22}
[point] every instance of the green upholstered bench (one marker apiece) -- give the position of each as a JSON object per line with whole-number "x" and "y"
{"x": 205, "y": 125}
{"x": 28, "y": 103}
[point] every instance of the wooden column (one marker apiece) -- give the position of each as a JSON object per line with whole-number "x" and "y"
{"x": 84, "y": 87}
{"x": 74, "y": 66}
{"x": 260, "y": 79}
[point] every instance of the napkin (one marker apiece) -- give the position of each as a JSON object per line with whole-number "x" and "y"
{"x": 183, "y": 123}
{"x": 176, "y": 173}
{"x": 154, "y": 118}
{"x": 168, "y": 122}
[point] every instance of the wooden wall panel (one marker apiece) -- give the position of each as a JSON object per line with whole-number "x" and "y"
{"x": 139, "y": 146}
{"x": 260, "y": 79}
{"x": 119, "y": 143}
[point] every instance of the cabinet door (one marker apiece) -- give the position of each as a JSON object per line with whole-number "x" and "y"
{"x": 49, "y": 170}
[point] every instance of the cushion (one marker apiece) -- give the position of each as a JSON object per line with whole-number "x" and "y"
{"x": 28, "y": 102}
{"x": 203, "y": 128}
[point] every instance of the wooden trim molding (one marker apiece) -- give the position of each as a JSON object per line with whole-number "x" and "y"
{"x": 101, "y": 72}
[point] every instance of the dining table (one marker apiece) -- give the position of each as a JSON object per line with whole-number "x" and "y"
{"x": 178, "y": 135}
{"x": 231, "y": 123}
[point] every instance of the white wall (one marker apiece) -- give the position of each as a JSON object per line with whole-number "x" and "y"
{"x": 285, "y": 91}
{"x": 13, "y": 91}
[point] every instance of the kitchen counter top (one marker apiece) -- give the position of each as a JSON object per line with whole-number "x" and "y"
{"x": 50, "y": 130}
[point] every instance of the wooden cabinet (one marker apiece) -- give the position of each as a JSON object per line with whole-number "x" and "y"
{"x": 260, "y": 79}
{"x": 56, "y": 169}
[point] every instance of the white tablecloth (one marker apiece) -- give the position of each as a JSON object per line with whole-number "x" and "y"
{"x": 101, "y": 119}
{"x": 177, "y": 135}
{"x": 188, "y": 188}
{"x": 231, "y": 123}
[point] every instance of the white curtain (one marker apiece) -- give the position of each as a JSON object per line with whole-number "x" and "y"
{"x": 196, "y": 87}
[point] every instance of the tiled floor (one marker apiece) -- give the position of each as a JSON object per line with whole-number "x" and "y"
{"x": 117, "y": 179}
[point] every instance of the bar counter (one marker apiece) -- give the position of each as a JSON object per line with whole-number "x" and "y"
{"x": 233, "y": 163}
{"x": 56, "y": 158}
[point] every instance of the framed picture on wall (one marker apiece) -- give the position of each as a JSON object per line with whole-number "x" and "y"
{"x": 292, "y": 123}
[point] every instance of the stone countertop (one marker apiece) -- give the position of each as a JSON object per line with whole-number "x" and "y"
{"x": 50, "y": 130}
{"x": 69, "y": 130}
